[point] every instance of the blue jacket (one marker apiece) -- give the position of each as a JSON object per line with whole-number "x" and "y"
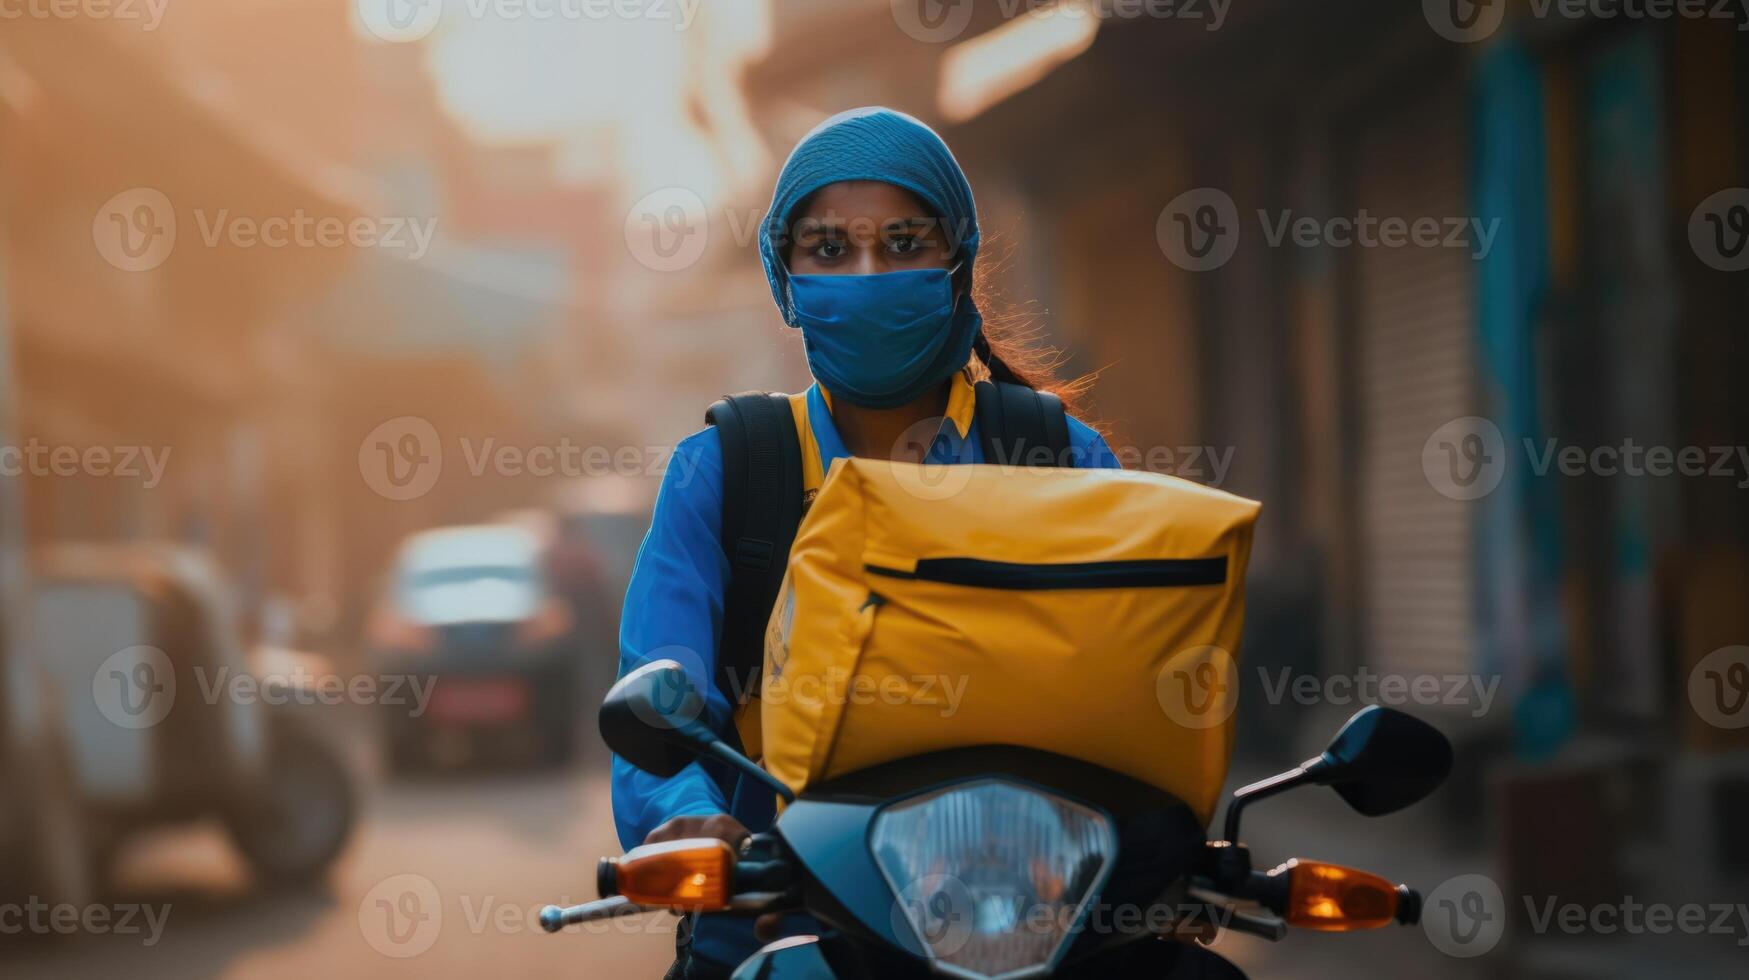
{"x": 674, "y": 610}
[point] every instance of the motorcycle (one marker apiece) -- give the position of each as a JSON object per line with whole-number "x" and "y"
{"x": 999, "y": 861}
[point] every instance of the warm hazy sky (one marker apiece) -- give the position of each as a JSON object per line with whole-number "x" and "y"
{"x": 577, "y": 77}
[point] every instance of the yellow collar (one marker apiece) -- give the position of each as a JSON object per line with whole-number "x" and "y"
{"x": 962, "y": 400}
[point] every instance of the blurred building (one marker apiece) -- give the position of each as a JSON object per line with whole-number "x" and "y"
{"x": 107, "y": 151}
{"x": 258, "y": 372}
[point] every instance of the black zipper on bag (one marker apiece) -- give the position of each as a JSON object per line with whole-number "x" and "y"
{"x": 1143, "y": 573}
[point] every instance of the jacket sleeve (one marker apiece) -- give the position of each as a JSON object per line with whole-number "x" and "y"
{"x": 1088, "y": 449}
{"x": 674, "y": 611}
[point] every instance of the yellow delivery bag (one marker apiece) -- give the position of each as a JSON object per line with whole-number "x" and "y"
{"x": 1091, "y": 613}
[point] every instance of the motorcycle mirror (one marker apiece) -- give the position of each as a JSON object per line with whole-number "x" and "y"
{"x": 1380, "y": 761}
{"x": 1383, "y": 760}
{"x": 655, "y": 719}
{"x": 650, "y": 718}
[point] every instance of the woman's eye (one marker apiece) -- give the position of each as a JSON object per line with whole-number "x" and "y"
{"x": 904, "y": 245}
{"x": 829, "y": 250}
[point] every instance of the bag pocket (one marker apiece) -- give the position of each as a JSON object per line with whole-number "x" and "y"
{"x": 1141, "y": 573}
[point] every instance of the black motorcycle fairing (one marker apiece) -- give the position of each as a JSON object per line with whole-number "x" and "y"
{"x": 1159, "y": 838}
{"x": 800, "y": 958}
{"x": 839, "y": 958}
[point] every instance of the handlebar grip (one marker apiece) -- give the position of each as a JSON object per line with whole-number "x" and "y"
{"x": 1408, "y": 906}
{"x": 553, "y": 918}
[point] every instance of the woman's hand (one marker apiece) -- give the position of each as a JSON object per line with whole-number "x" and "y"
{"x": 725, "y": 828}
{"x": 719, "y": 825}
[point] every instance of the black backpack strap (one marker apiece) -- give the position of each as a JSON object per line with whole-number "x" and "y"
{"x": 1020, "y": 426}
{"x": 762, "y": 505}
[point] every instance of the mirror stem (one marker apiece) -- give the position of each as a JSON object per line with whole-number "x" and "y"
{"x": 1306, "y": 772}
{"x": 719, "y": 749}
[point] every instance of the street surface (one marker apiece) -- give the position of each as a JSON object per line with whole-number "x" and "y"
{"x": 443, "y": 880}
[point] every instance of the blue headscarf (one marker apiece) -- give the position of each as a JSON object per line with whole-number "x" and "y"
{"x": 874, "y": 143}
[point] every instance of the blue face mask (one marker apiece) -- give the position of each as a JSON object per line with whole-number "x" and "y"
{"x": 883, "y": 340}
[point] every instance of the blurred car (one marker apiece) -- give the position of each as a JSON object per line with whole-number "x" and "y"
{"x": 44, "y": 846}
{"x": 469, "y": 616}
{"x": 168, "y": 720}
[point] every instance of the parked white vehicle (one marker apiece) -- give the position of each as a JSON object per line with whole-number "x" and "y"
{"x": 146, "y": 653}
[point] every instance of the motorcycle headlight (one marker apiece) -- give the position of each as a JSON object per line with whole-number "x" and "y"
{"x": 993, "y": 877}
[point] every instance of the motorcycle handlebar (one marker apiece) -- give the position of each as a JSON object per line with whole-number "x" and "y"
{"x": 553, "y": 918}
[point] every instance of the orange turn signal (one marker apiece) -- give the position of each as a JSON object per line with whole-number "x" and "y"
{"x": 1332, "y": 898}
{"x": 696, "y": 874}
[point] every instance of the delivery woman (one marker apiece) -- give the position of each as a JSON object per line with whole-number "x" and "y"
{"x": 870, "y": 246}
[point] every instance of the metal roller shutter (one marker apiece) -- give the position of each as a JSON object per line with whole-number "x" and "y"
{"x": 1415, "y": 367}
